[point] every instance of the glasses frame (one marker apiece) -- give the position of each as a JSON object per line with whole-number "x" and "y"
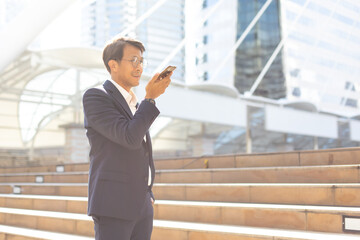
{"x": 135, "y": 62}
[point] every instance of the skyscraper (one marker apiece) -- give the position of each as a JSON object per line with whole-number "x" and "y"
{"x": 322, "y": 53}
{"x": 319, "y": 57}
{"x": 210, "y": 41}
{"x": 161, "y": 32}
{"x": 253, "y": 54}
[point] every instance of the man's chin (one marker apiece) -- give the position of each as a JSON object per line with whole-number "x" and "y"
{"x": 137, "y": 78}
{"x": 137, "y": 82}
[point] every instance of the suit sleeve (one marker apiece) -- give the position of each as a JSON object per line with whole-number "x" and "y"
{"x": 102, "y": 115}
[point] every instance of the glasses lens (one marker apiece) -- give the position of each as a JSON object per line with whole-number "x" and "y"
{"x": 135, "y": 62}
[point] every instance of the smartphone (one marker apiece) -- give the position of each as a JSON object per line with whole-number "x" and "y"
{"x": 166, "y": 72}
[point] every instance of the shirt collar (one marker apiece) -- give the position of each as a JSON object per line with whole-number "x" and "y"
{"x": 130, "y": 97}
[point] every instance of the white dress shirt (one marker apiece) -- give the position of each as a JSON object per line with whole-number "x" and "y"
{"x": 131, "y": 100}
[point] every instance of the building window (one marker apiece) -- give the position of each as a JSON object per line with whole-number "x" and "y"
{"x": 205, "y": 76}
{"x": 201, "y": 59}
{"x": 205, "y": 39}
{"x": 205, "y": 58}
{"x": 205, "y": 4}
{"x": 295, "y": 72}
{"x": 349, "y": 101}
{"x": 296, "y": 92}
{"x": 350, "y": 86}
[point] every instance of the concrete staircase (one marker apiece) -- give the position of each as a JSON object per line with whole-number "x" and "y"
{"x": 295, "y": 195}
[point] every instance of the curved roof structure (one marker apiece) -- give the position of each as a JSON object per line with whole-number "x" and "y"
{"x": 41, "y": 86}
{"x": 42, "y": 91}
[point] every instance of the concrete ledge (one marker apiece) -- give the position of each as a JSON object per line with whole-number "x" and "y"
{"x": 277, "y": 193}
{"x": 337, "y": 156}
{"x": 299, "y": 217}
{"x": 321, "y": 194}
{"x": 45, "y": 203}
{"x": 162, "y": 229}
{"x": 292, "y": 174}
{"x": 8, "y": 232}
{"x": 195, "y": 231}
{"x": 56, "y": 189}
{"x": 69, "y": 223}
{"x": 45, "y": 177}
{"x": 306, "y": 218}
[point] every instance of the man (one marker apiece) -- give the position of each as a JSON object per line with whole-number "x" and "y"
{"x": 122, "y": 170}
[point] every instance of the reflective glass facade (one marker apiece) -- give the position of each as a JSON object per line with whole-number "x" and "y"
{"x": 254, "y": 52}
{"x": 103, "y": 19}
{"x": 322, "y": 53}
{"x": 161, "y": 32}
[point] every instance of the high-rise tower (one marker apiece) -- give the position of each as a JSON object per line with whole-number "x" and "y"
{"x": 318, "y": 59}
{"x": 161, "y": 32}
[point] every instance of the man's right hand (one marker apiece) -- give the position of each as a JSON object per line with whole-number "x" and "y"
{"x": 156, "y": 87}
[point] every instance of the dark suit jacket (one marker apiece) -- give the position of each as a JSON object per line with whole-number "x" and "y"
{"x": 119, "y": 156}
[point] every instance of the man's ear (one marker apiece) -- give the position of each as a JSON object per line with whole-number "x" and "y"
{"x": 113, "y": 65}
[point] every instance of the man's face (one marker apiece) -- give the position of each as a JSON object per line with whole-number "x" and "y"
{"x": 123, "y": 72}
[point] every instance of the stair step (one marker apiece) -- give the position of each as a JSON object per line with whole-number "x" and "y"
{"x": 45, "y": 177}
{"x": 191, "y": 231}
{"x": 295, "y": 217}
{"x": 69, "y": 223}
{"x": 68, "y": 167}
{"x": 56, "y": 189}
{"x": 80, "y": 224}
{"x": 18, "y": 233}
{"x": 45, "y": 203}
{"x": 308, "y": 174}
{"x": 321, "y": 194}
{"x": 341, "y": 156}
{"x": 299, "y": 217}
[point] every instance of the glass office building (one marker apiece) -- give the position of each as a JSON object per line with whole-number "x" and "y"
{"x": 161, "y": 32}
{"x": 322, "y": 53}
{"x": 319, "y": 61}
{"x": 103, "y": 19}
{"x": 253, "y": 54}
{"x": 318, "y": 64}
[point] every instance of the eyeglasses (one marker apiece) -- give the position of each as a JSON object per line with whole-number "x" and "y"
{"x": 136, "y": 61}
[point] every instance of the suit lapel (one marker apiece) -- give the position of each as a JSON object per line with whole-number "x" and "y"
{"x": 115, "y": 94}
